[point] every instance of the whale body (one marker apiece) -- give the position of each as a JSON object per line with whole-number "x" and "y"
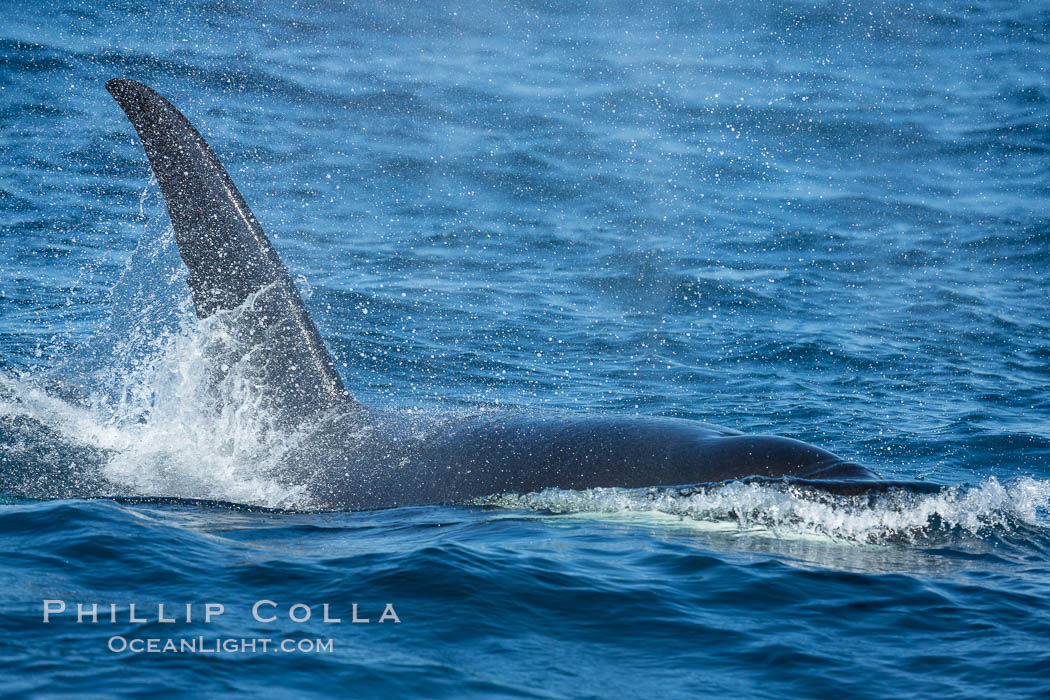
{"x": 354, "y": 456}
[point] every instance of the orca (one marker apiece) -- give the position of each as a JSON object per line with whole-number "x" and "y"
{"x": 357, "y": 457}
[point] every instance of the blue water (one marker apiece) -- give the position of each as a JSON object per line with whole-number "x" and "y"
{"x": 822, "y": 220}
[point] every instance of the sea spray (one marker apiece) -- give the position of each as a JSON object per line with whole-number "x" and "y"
{"x": 785, "y": 509}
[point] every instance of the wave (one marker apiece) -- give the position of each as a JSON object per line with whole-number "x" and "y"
{"x": 898, "y": 513}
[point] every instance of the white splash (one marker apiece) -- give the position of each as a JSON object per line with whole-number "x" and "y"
{"x": 173, "y": 420}
{"x": 786, "y": 510}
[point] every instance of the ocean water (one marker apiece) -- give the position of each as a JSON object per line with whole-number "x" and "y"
{"x": 824, "y": 220}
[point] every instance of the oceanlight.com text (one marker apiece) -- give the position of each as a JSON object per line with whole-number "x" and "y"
{"x": 218, "y": 645}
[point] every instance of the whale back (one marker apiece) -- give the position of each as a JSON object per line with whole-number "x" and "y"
{"x": 232, "y": 262}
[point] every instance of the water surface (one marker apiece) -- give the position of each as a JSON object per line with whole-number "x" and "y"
{"x": 821, "y": 220}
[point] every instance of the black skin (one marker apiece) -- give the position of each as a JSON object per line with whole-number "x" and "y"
{"x": 390, "y": 464}
{"x": 357, "y": 457}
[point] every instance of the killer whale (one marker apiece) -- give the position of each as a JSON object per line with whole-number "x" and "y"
{"x": 354, "y": 456}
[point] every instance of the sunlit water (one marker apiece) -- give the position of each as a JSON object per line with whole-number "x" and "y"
{"x": 825, "y": 220}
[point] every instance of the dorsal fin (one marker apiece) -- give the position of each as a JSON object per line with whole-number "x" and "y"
{"x": 230, "y": 258}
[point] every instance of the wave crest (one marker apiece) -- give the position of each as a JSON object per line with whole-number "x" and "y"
{"x": 882, "y": 516}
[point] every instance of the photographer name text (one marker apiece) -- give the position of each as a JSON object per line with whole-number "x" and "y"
{"x": 264, "y": 611}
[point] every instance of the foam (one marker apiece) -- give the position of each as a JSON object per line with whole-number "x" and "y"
{"x": 785, "y": 510}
